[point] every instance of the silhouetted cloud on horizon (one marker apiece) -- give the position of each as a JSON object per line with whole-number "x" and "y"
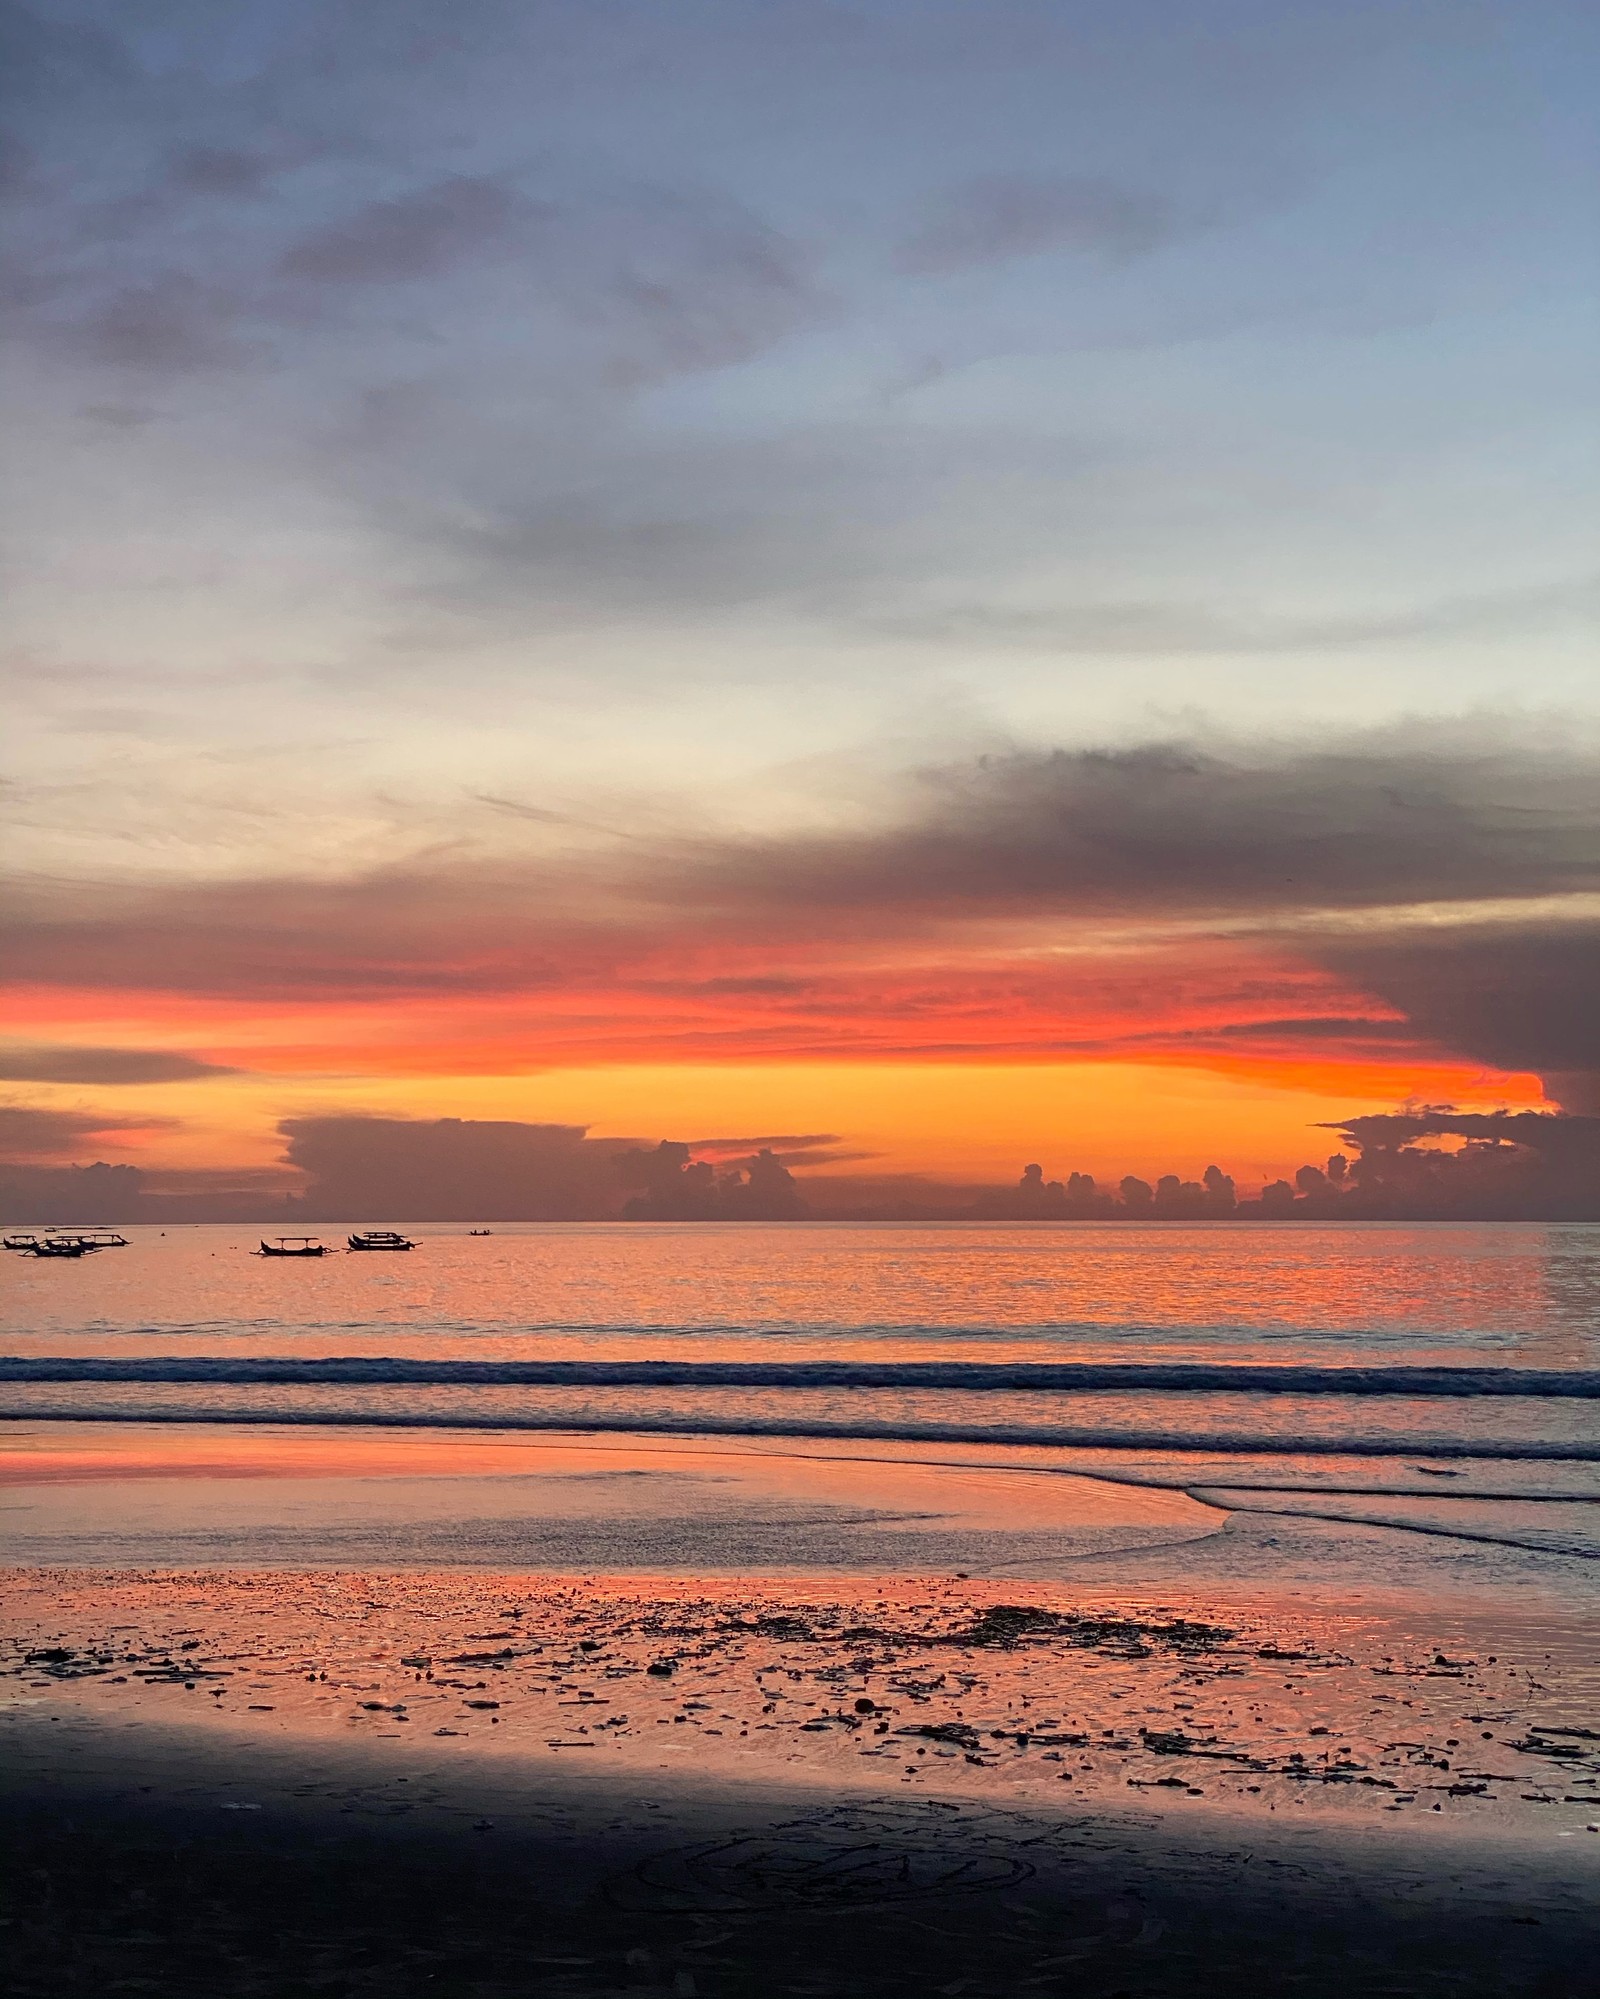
{"x": 452, "y": 1169}
{"x": 1431, "y": 1164}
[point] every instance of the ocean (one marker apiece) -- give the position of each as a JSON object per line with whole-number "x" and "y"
{"x": 774, "y": 1393}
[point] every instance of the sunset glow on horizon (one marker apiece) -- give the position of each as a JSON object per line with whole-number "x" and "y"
{"x": 966, "y": 586}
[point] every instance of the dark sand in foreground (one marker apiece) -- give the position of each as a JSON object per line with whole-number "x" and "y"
{"x": 838, "y": 1788}
{"x": 162, "y": 1861}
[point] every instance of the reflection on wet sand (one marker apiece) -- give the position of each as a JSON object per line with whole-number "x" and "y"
{"x": 951, "y": 1684}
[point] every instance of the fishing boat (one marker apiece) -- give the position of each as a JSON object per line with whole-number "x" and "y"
{"x": 480, "y": 1231}
{"x": 103, "y": 1239}
{"x": 28, "y": 1243}
{"x": 378, "y": 1239}
{"x": 63, "y": 1245}
{"x": 293, "y": 1245}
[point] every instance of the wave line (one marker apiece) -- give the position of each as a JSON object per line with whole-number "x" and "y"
{"x": 1072, "y": 1376}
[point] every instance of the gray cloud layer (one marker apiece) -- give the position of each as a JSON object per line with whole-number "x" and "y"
{"x": 348, "y": 275}
{"x": 104, "y": 1065}
{"x": 1371, "y": 862}
{"x": 1515, "y": 996}
{"x": 1395, "y": 818}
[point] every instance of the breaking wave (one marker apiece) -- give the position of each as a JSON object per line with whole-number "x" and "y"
{"x": 979, "y": 1376}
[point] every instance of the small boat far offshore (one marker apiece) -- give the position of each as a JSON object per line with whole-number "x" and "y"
{"x": 378, "y": 1239}
{"x": 292, "y": 1245}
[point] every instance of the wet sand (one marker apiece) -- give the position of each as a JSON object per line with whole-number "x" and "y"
{"x": 279, "y": 1782}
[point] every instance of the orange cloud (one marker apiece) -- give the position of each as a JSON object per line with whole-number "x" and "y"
{"x": 1313, "y": 923}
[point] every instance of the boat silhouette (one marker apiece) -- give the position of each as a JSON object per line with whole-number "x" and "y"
{"x": 293, "y": 1245}
{"x": 378, "y": 1239}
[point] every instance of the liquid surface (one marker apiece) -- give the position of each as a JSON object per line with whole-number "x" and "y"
{"x": 1511, "y": 1295}
{"x": 1438, "y": 1381}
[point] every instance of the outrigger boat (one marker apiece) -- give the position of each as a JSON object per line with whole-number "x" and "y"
{"x": 378, "y": 1239}
{"x": 65, "y": 1242}
{"x": 293, "y": 1245}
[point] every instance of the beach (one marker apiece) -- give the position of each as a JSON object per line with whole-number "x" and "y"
{"x": 282, "y": 1781}
{"x": 800, "y": 1095}
{"x": 1279, "y": 1676}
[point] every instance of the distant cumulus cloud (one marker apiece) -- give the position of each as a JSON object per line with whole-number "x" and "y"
{"x": 996, "y": 217}
{"x": 373, "y": 1168}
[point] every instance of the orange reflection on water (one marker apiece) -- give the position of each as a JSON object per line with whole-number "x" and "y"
{"x": 1384, "y": 1292}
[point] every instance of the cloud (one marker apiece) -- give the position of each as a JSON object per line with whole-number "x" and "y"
{"x": 453, "y": 1169}
{"x": 1413, "y": 897}
{"x": 1512, "y": 1164}
{"x": 421, "y": 234}
{"x": 996, "y": 217}
{"x": 1519, "y": 996}
{"x": 1322, "y": 1027}
{"x": 1182, "y": 826}
{"x": 170, "y": 321}
{"x": 1141, "y": 629}
{"x": 792, "y": 1146}
{"x": 27, "y": 1133}
{"x": 222, "y": 171}
{"x": 104, "y": 1065}
{"x": 395, "y": 933}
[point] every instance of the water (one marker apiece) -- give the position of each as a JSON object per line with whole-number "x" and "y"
{"x": 1512, "y": 1295}
{"x": 1441, "y": 1380}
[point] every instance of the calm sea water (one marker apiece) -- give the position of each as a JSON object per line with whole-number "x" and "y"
{"x": 1447, "y": 1376}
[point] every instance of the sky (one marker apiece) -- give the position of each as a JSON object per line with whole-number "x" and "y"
{"x": 993, "y": 582}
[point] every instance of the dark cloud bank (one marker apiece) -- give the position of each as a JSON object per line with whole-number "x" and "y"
{"x": 1370, "y": 864}
{"x": 1401, "y": 817}
{"x": 1412, "y": 1166}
